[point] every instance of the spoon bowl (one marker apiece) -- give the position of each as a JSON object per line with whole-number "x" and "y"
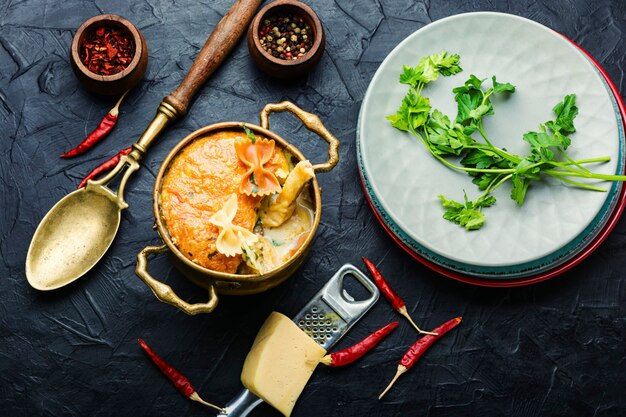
{"x": 72, "y": 237}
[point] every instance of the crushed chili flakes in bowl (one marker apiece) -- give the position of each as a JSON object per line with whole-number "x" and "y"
{"x": 107, "y": 50}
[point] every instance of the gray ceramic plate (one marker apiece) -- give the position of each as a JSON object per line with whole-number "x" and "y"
{"x": 404, "y": 180}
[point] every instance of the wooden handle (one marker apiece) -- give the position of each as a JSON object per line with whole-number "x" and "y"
{"x": 220, "y": 43}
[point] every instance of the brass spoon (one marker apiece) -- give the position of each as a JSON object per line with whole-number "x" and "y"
{"x": 78, "y": 230}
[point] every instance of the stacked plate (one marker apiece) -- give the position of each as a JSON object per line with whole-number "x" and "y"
{"x": 558, "y": 225}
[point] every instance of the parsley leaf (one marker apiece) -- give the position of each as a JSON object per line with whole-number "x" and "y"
{"x": 429, "y": 69}
{"x": 412, "y": 114}
{"x": 446, "y": 137}
{"x": 566, "y": 111}
{"x": 520, "y": 186}
{"x": 410, "y": 76}
{"x": 446, "y": 64}
{"x": 502, "y": 87}
{"x": 468, "y": 215}
{"x": 473, "y": 103}
{"x": 249, "y": 133}
{"x": 541, "y": 144}
{"x": 255, "y": 186}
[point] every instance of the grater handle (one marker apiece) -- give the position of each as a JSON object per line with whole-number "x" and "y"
{"x": 351, "y": 310}
{"x": 241, "y": 405}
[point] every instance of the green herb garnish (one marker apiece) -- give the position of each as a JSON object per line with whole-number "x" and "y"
{"x": 489, "y": 165}
{"x": 255, "y": 189}
{"x": 249, "y": 133}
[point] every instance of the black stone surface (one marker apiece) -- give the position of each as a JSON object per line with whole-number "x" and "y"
{"x": 555, "y": 348}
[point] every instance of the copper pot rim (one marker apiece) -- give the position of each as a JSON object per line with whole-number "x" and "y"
{"x": 162, "y": 227}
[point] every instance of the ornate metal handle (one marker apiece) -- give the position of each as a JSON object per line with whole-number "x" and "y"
{"x": 313, "y": 123}
{"x": 164, "y": 292}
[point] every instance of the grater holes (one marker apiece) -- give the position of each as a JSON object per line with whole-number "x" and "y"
{"x": 328, "y": 336}
{"x": 314, "y": 309}
{"x": 334, "y": 329}
{"x": 328, "y": 322}
{"x": 314, "y": 322}
{"x": 307, "y": 316}
{"x": 314, "y": 316}
{"x": 301, "y": 323}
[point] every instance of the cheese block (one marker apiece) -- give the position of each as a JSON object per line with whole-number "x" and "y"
{"x": 280, "y": 362}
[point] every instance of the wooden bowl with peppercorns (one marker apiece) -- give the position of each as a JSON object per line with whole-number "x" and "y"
{"x": 286, "y": 39}
{"x": 109, "y": 54}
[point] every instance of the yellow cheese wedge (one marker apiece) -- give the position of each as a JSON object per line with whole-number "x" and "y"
{"x": 280, "y": 363}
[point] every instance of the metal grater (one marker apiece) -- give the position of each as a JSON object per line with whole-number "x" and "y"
{"x": 332, "y": 311}
{"x": 326, "y": 319}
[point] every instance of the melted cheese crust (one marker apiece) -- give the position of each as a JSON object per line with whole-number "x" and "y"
{"x": 198, "y": 182}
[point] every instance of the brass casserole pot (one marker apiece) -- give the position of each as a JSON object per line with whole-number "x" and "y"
{"x": 220, "y": 282}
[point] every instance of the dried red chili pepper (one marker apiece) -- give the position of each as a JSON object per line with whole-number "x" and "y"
{"x": 417, "y": 350}
{"x": 179, "y": 381}
{"x": 394, "y": 299}
{"x": 103, "y": 129}
{"x": 105, "y": 166}
{"x": 356, "y": 351}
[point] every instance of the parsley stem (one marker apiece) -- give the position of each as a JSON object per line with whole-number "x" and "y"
{"x": 587, "y": 161}
{"x": 579, "y": 184}
{"x": 589, "y": 175}
{"x": 501, "y": 152}
{"x": 568, "y": 159}
{"x": 492, "y": 187}
{"x": 453, "y": 166}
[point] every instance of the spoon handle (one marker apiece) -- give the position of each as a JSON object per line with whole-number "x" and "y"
{"x": 220, "y": 43}
{"x": 222, "y": 40}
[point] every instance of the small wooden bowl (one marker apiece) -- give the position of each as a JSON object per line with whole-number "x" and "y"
{"x": 115, "y": 84}
{"x": 283, "y": 68}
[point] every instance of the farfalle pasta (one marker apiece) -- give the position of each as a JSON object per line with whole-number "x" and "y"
{"x": 231, "y": 238}
{"x": 258, "y": 180}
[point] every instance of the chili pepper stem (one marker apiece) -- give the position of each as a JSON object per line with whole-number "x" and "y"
{"x": 194, "y": 396}
{"x": 115, "y": 111}
{"x": 401, "y": 369}
{"x": 402, "y": 310}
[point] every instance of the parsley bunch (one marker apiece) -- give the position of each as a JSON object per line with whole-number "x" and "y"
{"x": 488, "y": 165}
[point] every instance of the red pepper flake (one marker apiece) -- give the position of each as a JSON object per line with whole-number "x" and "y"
{"x": 394, "y": 299}
{"x": 178, "y": 379}
{"x": 107, "y": 50}
{"x": 356, "y": 351}
{"x": 419, "y": 347}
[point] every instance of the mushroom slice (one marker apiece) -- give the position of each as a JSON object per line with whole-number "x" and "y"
{"x": 280, "y": 208}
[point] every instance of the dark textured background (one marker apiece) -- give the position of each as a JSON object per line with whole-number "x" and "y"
{"x": 555, "y": 348}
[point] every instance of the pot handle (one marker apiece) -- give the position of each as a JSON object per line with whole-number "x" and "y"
{"x": 313, "y": 123}
{"x": 164, "y": 292}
